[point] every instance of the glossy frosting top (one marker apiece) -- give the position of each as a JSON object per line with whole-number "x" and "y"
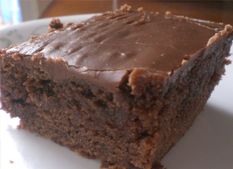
{"x": 124, "y": 39}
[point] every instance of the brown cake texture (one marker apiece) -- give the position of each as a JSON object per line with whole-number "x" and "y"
{"x": 122, "y": 87}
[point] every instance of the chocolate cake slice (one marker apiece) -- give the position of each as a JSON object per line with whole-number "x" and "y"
{"x": 122, "y": 87}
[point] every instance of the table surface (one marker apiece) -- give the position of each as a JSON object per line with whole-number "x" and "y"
{"x": 219, "y": 11}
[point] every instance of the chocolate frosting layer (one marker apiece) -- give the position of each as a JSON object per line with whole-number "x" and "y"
{"x": 124, "y": 40}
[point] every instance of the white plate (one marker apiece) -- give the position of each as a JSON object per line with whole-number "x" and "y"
{"x": 207, "y": 145}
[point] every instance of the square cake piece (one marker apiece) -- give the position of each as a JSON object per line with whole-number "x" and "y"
{"x": 122, "y": 87}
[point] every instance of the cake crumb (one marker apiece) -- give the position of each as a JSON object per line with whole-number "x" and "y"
{"x": 16, "y": 57}
{"x": 227, "y": 29}
{"x": 126, "y": 8}
{"x": 140, "y": 9}
{"x": 227, "y": 61}
{"x": 169, "y": 73}
{"x": 183, "y": 61}
{"x": 168, "y": 13}
{"x": 55, "y": 24}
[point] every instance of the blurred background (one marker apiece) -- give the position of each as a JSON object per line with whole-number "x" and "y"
{"x": 15, "y": 11}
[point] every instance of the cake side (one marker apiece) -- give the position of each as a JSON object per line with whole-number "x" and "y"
{"x": 190, "y": 87}
{"x": 129, "y": 117}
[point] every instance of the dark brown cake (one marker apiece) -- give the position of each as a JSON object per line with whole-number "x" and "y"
{"x": 122, "y": 87}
